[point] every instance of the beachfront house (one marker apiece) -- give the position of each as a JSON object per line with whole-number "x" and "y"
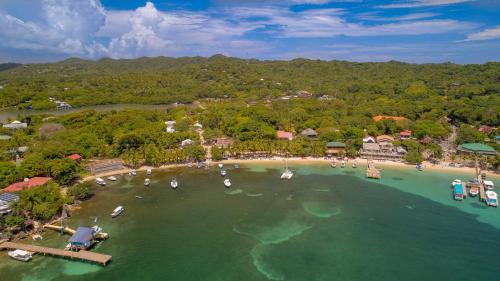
{"x": 170, "y": 126}
{"x": 6, "y": 199}
{"x": 27, "y": 184}
{"x": 187, "y": 142}
{"x": 102, "y": 166}
{"x": 14, "y": 125}
{"x": 335, "y": 148}
{"x": 309, "y": 133}
{"x": 75, "y": 157}
{"x": 479, "y": 148}
{"x": 82, "y": 239}
{"x": 405, "y": 135}
{"x": 369, "y": 139}
{"x": 282, "y": 135}
{"x": 223, "y": 142}
{"x": 383, "y": 149}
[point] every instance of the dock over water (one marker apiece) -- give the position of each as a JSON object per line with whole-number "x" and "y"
{"x": 80, "y": 255}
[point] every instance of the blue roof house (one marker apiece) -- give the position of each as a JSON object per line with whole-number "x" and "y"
{"x": 83, "y": 238}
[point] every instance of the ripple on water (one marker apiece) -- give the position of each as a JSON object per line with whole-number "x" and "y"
{"x": 322, "y": 189}
{"x": 254, "y": 194}
{"x": 258, "y": 252}
{"x": 233, "y": 191}
{"x": 320, "y": 210}
{"x": 279, "y": 233}
{"x": 79, "y": 268}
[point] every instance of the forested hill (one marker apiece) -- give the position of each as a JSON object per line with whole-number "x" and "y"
{"x": 393, "y": 85}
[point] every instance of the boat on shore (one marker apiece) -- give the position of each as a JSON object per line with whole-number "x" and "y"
{"x": 147, "y": 182}
{"x": 491, "y": 198}
{"x": 148, "y": 172}
{"x": 20, "y": 255}
{"x": 174, "y": 183}
{"x": 227, "y": 183}
{"x": 100, "y": 181}
{"x": 112, "y": 178}
{"x": 117, "y": 211}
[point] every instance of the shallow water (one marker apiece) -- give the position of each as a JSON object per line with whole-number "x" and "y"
{"x": 324, "y": 224}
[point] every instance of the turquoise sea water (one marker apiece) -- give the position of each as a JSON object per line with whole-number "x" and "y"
{"x": 324, "y": 224}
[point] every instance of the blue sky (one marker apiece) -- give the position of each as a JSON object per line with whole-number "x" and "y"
{"x": 421, "y": 31}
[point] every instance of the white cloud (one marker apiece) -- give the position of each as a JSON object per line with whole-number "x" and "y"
{"x": 487, "y": 34}
{"x": 423, "y": 3}
{"x": 372, "y": 16}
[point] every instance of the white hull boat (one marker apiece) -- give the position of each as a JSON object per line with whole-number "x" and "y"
{"x": 491, "y": 198}
{"x": 147, "y": 182}
{"x": 132, "y": 173}
{"x": 223, "y": 173}
{"x": 117, "y": 211}
{"x": 20, "y": 255}
{"x": 100, "y": 181}
{"x": 174, "y": 184}
{"x": 112, "y": 178}
{"x": 220, "y": 165}
{"x": 287, "y": 174}
{"x": 148, "y": 172}
{"x": 227, "y": 183}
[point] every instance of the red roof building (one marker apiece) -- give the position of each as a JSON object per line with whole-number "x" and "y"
{"x": 486, "y": 129}
{"x": 406, "y": 134}
{"x": 76, "y": 157}
{"x": 282, "y": 135}
{"x": 27, "y": 184}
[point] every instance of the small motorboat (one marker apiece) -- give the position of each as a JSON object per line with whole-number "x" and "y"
{"x": 456, "y": 182}
{"x": 20, "y": 255}
{"x": 132, "y": 173}
{"x": 236, "y": 165}
{"x": 100, "y": 181}
{"x": 342, "y": 164}
{"x": 419, "y": 167}
{"x": 483, "y": 175}
{"x": 138, "y": 197}
{"x": 355, "y": 164}
{"x": 491, "y": 198}
{"x": 227, "y": 183}
{"x": 148, "y": 172}
{"x": 333, "y": 164}
{"x": 112, "y": 178}
{"x": 117, "y": 211}
{"x": 147, "y": 182}
{"x": 488, "y": 185}
{"x": 458, "y": 193}
{"x": 223, "y": 173}
{"x": 220, "y": 165}
{"x": 189, "y": 165}
{"x": 174, "y": 183}
{"x": 474, "y": 190}
{"x": 287, "y": 174}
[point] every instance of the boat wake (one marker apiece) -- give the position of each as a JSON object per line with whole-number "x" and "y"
{"x": 258, "y": 252}
{"x": 233, "y": 191}
{"x": 254, "y": 194}
{"x": 320, "y": 211}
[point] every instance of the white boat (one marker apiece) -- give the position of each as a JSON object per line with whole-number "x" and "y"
{"x": 236, "y": 165}
{"x": 148, "y": 172}
{"x": 227, "y": 183}
{"x": 223, "y": 173}
{"x": 147, "y": 182}
{"x": 489, "y": 185}
{"x": 287, "y": 174}
{"x": 132, "y": 173}
{"x": 20, "y": 255}
{"x": 491, "y": 198}
{"x": 112, "y": 178}
{"x": 333, "y": 164}
{"x": 220, "y": 165}
{"x": 100, "y": 181}
{"x": 174, "y": 183}
{"x": 342, "y": 164}
{"x": 355, "y": 164}
{"x": 117, "y": 211}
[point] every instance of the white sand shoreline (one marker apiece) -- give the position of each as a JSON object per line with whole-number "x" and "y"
{"x": 298, "y": 160}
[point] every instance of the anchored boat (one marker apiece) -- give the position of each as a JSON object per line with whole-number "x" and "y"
{"x": 333, "y": 164}
{"x": 227, "y": 183}
{"x": 112, "y": 178}
{"x": 147, "y": 182}
{"x": 174, "y": 184}
{"x": 223, "y": 172}
{"x": 491, "y": 198}
{"x": 148, "y": 172}
{"x": 20, "y": 255}
{"x": 489, "y": 185}
{"x": 458, "y": 193}
{"x": 117, "y": 211}
{"x": 100, "y": 181}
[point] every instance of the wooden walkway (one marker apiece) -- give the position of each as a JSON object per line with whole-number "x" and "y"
{"x": 81, "y": 255}
{"x": 100, "y": 235}
{"x": 482, "y": 193}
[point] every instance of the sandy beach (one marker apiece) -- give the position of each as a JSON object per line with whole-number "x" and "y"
{"x": 304, "y": 161}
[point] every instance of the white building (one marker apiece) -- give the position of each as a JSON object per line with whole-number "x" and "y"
{"x": 198, "y": 126}
{"x": 170, "y": 126}
{"x": 187, "y": 142}
{"x": 16, "y": 125}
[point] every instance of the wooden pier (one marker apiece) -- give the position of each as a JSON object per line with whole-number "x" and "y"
{"x": 482, "y": 193}
{"x": 100, "y": 235}
{"x": 80, "y": 255}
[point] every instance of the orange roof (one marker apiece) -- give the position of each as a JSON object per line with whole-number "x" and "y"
{"x": 18, "y": 186}
{"x": 405, "y": 133}
{"x": 284, "y": 135}
{"x": 75, "y": 157}
{"x": 382, "y": 117}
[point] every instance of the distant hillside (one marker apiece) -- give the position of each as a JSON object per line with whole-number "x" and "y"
{"x": 7, "y": 66}
{"x": 165, "y": 80}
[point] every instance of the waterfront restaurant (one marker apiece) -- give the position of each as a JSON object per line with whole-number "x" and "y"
{"x": 335, "y": 148}
{"x": 101, "y": 166}
{"x": 479, "y": 148}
